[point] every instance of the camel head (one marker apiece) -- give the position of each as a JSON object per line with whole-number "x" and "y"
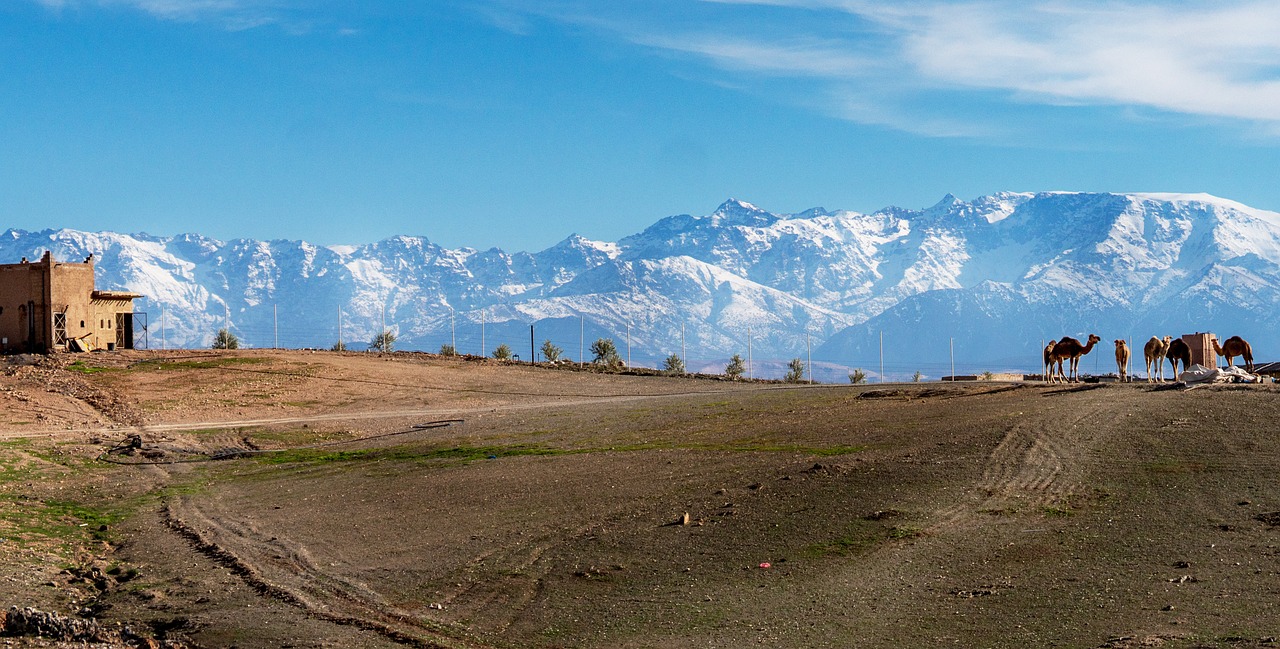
{"x": 1120, "y": 344}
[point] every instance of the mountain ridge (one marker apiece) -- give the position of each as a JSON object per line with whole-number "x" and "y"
{"x": 1026, "y": 266}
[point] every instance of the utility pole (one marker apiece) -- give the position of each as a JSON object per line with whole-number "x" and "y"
{"x": 453, "y": 332}
{"x": 582, "y": 333}
{"x": 482, "y": 333}
{"x": 532, "y": 357}
{"x": 164, "y": 336}
{"x": 628, "y": 344}
{"x": 340, "y": 345}
{"x": 275, "y": 322}
{"x": 882, "y": 356}
{"x": 748, "y": 351}
{"x": 683, "y": 357}
{"x": 953, "y": 359}
{"x": 808, "y": 350}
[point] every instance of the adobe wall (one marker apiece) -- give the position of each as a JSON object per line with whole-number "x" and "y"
{"x": 20, "y": 285}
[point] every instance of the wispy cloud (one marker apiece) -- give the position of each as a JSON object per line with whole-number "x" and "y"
{"x": 230, "y": 14}
{"x": 887, "y": 59}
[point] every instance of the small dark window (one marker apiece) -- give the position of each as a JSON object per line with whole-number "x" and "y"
{"x": 101, "y": 324}
{"x": 82, "y": 324}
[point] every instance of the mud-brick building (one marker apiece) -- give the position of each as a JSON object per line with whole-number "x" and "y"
{"x": 51, "y": 305}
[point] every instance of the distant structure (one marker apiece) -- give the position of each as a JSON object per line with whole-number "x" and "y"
{"x": 49, "y": 306}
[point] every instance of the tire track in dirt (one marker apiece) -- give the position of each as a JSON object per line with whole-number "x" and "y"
{"x": 1033, "y": 466}
{"x": 286, "y": 571}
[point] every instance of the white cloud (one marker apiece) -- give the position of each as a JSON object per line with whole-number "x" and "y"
{"x": 1219, "y": 60}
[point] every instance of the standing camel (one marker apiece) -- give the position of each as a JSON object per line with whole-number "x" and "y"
{"x": 1235, "y": 346}
{"x": 1048, "y": 362}
{"x": 1154, "y": 350}
{"x": 1069, "y": 349}
{"x": 1178, "y": 350}
{"x": 1122, "y": 360}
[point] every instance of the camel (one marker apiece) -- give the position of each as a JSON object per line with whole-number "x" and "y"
{"x": 1122, "y": 360}
{"x": 1154, "y": 351}
{"x": 1235, "y": 346}
{"x": 1069, "y": 349}
{"x": 1178, "y": 350}
{"x": 1048, "y": 364}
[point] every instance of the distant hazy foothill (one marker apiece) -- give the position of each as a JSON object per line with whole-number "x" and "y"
{"x": 993, "y": 278}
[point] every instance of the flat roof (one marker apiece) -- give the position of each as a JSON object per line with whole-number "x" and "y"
{"x": 114, "y": 295}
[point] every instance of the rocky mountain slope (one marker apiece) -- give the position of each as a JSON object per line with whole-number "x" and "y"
{"x": 990, "y": 279}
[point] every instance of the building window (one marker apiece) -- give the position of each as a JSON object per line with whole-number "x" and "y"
{"x": 82, "y": 324}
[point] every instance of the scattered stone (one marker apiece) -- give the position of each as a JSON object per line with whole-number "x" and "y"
{"x": 33, "y": 622}
{"x": 1270, "y": 518}
{"x": 882, "y": 514}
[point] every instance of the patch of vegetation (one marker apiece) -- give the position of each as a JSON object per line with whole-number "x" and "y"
{"x": 200, "y": 364}
{"x": 83, "y": 368}
{"x": 1060, "y": 510}
{"x": 458, "y": 453}
{"x": 898, "y": 533}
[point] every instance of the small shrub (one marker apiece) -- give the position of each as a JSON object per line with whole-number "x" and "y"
{"x": 550, "y": 351}
{"x": 503, "y": 352}
{"x": 338, "y": 347}
{"x": 987, "y": 376}
{"x": 795, "y": 371}
{"x": 605, "y": 353}
{"x": 225, "y": 340}
{"x": 383, "y": 342}
{"x": 857, "y": 377}
{"x": 736, "y": 368}
{"x": 673, "y": 364}
{"x": 915, "y": 378}
{"x": 448, "y": 350}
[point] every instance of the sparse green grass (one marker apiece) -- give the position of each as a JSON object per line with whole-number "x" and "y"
{"x": 80, "y": 366}
{"x": 200, "y": 364}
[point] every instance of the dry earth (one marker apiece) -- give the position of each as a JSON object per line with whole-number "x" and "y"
{"x": 296, "y": 499}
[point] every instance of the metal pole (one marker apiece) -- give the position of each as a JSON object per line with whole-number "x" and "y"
{"x": 532, "y": 358}
{"x": 340, "y": 326}
{"x": 682, "y": 354}
{"x": 164, "y": 335}
{"x": 275, "y": 322}
{"x": 482, "y": 333}
{"x": 882, "y": 357}
{"x": 453, "y": 332}
{"x": 748, "y": 351}
{"x": 582, "y": 346}
{"x": 808, "y": 350}
{"x": 628, "y": 344}
{"x": 953, "y": 359}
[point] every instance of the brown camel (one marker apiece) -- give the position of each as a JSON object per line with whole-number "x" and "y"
{"x": 1235, "y": 346}
{"x": 1122, "y": 360}
{"x": 1154, "y": 350}
{"x": 1178, "y": 350}
{"x": 1048, "y": 363}
{"x": 1069, "y": 349}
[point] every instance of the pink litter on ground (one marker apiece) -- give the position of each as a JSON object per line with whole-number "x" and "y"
{"x": 765, "y": 565}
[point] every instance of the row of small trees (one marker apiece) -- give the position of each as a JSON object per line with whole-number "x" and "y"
{"x": 604, "y": 352}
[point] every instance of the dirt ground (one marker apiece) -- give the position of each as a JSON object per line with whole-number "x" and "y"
{"x": 313, "y": 499}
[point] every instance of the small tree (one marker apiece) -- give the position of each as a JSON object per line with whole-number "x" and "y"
{"x": 605, "y": 353}
{"x": 673, "y": 364}
{"x": 338, "y": 347}
{"x": 448, "y": 350}
{"x": 503, "y": 352}
{"x": 224, "y": 339}
{"x": 383, "y": 342}
{"x": 736, "y": 368}
{"x": 550, "y": 351}
{"x": 987, "y": 376}
{"x": 857, "y": 376}
{"x": 915, "y": 378}
{"x": 795, "y": 371}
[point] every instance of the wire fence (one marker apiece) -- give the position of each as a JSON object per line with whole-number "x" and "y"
{"x": 267, "y": 326}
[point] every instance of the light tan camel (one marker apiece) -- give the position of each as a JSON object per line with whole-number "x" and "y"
{"x": 1178, "y": 350}
{"x": 1233, "y": 347}
{"x": 1048, "y": 364}
{"x": 1122, "y": 360}
{"x": 1154, "y": 350}
{"x": 1069, "y": 349}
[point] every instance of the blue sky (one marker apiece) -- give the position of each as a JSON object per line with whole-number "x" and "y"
{"x": 514, "y": 123}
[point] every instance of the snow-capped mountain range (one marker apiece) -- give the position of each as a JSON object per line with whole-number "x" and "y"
{"x": 988, "y": 281}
